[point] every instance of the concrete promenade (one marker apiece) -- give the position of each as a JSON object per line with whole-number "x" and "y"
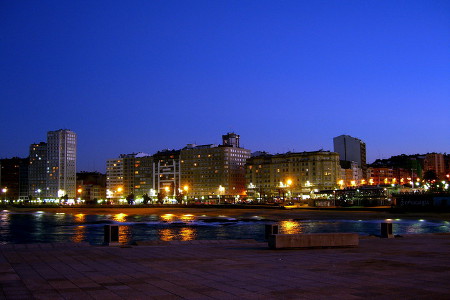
{"x": 412, "y": 267}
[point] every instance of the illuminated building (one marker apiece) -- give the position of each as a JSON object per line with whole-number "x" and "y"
{"x": 381, "y": 176}
{"x": 61, "y": 169}
{"x": 143, "y": 177}
{"x": 351, "y": 174}
{"x": 129, "y": 174}
{"x": 114, "y": 178}
{"x": 91, "y": 186}
{"x": 14, "y": 178}
{"x": 292, "y": 174}
{"x": 435, "y": 162}
{"x": 215, "y": 170}
{"x": 37, "y": 171}
{"x": 166, "y": 172}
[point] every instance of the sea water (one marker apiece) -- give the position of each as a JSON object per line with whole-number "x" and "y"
{"x": 43, "y": 227}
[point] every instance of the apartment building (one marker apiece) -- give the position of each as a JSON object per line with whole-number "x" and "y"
{"x": 37, "y": 171}
{"x": 293, "y": 174}
{"x": 114, "y": 178}
{"x": 61, "y": 156}
{"x": 351, "y": 149}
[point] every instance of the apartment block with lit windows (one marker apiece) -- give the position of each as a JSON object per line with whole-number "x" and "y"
{"x": 207, "y": 171}
{"x": 61, "y": 156}
{"x": 435, "y": 162}
{"x": 143, "y": 175}
{"x": 129, "y": 174}
{"x": 14, "y": 178}
{"x": 292, "y": 174}
{"x": 114, "y": 178}
{"x": 381, "y": 176}
{"x": 37, "y": 171}
{"x": 351, "y": 175}
{"x": 214, "y": 170}
{"x": 91, "y": 186}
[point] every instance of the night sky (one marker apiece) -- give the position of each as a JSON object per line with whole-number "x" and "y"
{"x": 132, "y": 76}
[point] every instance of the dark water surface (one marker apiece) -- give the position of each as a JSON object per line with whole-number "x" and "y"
{"x": 41, "y": 227}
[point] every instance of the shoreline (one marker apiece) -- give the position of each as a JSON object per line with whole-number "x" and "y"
{"x": 266, "y": 213}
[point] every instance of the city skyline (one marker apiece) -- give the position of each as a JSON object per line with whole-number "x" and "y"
{"x": 102, "y": 169}
{"x": 285, "y": 76}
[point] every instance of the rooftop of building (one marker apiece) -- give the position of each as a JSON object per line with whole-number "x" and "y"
{"x": 263, "y": 154}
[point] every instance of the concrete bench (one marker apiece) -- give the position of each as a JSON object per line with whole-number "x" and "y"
{"x": 311, "y": 240}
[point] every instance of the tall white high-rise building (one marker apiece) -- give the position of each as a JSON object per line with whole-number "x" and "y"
{"x": 62, "y": 158}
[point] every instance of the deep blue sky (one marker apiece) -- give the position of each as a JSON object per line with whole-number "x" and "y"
{"x": 131, "y": 76}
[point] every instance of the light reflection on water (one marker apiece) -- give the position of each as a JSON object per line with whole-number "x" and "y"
{"x": 42, "y": 227}
{"x": 120, "y": 217}
{"x": 290, "y": 227}
{"x": 187, "y": 234}
{"x": 125, "y": 234}
{"x": 80, "y": 218}
{"x": 172, "y": 234}
{"x": 79, "y": 234}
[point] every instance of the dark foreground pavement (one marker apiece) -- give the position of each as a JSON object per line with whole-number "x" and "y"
{"x": 412, "y": 267}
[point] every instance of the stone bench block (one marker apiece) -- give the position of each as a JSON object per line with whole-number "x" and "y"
{"x": 311, "y": 240}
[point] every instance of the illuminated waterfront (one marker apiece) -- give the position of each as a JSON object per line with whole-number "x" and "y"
{"x": 44, "y": 227}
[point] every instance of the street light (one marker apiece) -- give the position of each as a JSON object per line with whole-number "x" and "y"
{"x": 221, "y": 190}
{"x": 186, "y": 190}
{"x": 4, "y": 190}
{"x": 288, "y": 185}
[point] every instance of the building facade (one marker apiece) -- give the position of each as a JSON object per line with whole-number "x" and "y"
{"x": 292, "y": 175}
{"x": 37, "y": 171}
{"x": 61, "y": 156}
{"x": 351, "y": 149}
{"x": 91, "y": 186}
{"x": 351, "y": 175}
{"x": 167, "y": 173}
{"x": 129, "y": 174}
{"x": 114, "y": 178}
{"x": 208, "y": 171}
{"x": 214, "y": 171}
{"x": 435, "y": 162}
{"x": 143, "y": 181}
{"x": 14, "y": 178}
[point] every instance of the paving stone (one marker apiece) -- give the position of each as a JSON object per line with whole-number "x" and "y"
{"x": 103, "y": 294}
{"x": 412, "y": 267}
{"x": 44, "y": 295}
